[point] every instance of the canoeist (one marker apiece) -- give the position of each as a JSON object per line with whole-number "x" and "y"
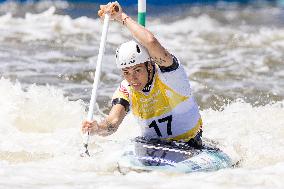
{"x": 155, "y": 89}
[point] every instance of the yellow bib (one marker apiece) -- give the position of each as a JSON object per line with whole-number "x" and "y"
{"x": 160, "y": 100}
{"x": 165, "y": 113}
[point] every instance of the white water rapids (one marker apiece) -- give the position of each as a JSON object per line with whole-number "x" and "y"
{"x": 236, "y": 66}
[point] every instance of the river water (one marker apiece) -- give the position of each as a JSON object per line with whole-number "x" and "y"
{"x": 233, "y": 55}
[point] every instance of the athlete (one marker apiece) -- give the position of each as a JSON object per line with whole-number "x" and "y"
{"x": 155, "y": 88}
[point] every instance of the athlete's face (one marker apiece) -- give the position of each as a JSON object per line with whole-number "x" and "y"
{"x": 137, "y": 76}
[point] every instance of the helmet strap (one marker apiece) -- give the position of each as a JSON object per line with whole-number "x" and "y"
{"x": 148, "y": 71}
{"x": 150, "y": 79}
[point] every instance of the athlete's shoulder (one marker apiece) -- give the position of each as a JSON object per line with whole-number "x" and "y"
{"x": 124, "y": 87}
{"x": 176, "y": 79}
{"x": 122, "y": 91}
{"x": 176, "y": 70}
{"x": 175, "y": 65}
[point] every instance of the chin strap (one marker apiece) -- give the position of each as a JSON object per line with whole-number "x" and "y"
{"x": 150, "y": 80}
{"x": 148, "y": 71}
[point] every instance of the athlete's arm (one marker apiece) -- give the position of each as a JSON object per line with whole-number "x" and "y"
{"x": 157, "y": 52}
{"x": 109, "y": 125}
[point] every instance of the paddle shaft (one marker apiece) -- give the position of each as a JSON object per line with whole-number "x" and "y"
{"x": 97, "y": 77}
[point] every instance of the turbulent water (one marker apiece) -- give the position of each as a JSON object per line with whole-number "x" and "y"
{"x": 233, "y": 55}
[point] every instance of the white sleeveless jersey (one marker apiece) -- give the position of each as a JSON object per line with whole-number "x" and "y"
{"x": 168, "y": 110}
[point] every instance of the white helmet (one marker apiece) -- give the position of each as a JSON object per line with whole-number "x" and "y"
{"x": 130, "y": 54}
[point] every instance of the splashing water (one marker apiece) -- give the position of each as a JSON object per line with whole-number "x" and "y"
{"x": 233, "y": 56}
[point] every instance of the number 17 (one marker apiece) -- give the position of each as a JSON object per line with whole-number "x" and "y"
{"x": 167, "y": 119}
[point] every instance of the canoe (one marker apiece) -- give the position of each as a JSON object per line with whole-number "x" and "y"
{"x": 155, "y": 154}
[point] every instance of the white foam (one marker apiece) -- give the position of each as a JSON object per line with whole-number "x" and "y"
{"x": 40, "y": 131}
{"x": 255, "y": 133}
{"x": 38, "y": 117}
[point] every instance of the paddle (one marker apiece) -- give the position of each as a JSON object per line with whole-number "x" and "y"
{"x": 86, "y": 136}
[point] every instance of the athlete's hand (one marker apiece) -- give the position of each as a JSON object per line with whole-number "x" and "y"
{"x": 113, "y": 9}
{"x": 91, "y": 127}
